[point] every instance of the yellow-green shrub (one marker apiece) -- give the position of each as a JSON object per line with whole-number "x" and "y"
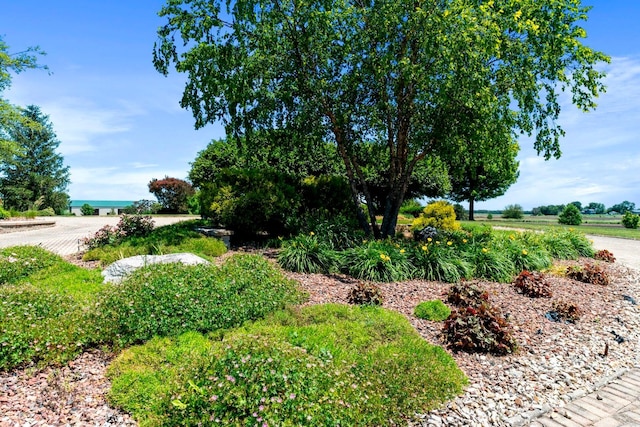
{"x": 440, "y": 215}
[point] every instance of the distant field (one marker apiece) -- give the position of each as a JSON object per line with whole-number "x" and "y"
{"x": 599, "y": 225}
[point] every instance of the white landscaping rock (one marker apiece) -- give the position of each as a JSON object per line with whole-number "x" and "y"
{"x": 117, "y": 271}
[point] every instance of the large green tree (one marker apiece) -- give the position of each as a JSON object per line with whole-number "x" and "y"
{"x": 35, "y": 173}
{"x": 10, "y": 115}
{"x": 404, "y": 75}
{"x": 483, "y": 170}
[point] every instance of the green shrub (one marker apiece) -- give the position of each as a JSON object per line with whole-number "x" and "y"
{"x": 570, "y": 215}
{"x": 86, "y": 209}
{"x": 306, "y": 253}
{"x": 376, "y": 261}
{"x": 513, "y": 212}
{"x": 251, "y": 201}
{"x": 40, "y": 325}
{"x": 170, "y": 299}
{"x": 17, "y": 262}
{"x": 434, "y": 310}
{"x": 440, "y": 215}
{"x": 630, "y": 220}
{"x": 135, "y": 225}
{"x": 30, "y": 214}
{"x": 320, "y": 365}
{"x": 46, "y": 212}
{"x": 4, "y": 214}
{"x": 412, "y": 208}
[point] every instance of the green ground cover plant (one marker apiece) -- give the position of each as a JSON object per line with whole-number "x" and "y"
{"x": 170, "y": 299}
{"x": 50, "y": 314}
{"x": 18, "y": 262}
{"x": 319, "y": 365}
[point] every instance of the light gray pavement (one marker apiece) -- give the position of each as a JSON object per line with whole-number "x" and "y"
{"x": 65, "y": 237}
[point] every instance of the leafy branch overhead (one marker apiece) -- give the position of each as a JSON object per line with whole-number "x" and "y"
{"x": 412, "y": 77}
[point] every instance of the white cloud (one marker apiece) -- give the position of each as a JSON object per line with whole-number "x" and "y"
{"x": 600, "y": 153}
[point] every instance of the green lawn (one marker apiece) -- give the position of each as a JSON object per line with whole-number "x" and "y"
{"x": 599, "y": 225}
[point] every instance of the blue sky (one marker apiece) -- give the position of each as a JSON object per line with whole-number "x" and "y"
{"x": 120, "y": 124}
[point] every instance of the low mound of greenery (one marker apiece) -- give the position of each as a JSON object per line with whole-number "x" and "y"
{"x": 174, "y": 238}
{"x": 319, "y": 365}
{"x": 17, "y": 262}
{"x": 169, "y": 299}
{"x": 53, "y": 313}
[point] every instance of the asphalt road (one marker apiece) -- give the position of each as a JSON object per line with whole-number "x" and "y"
{"x": 65, "y": 237}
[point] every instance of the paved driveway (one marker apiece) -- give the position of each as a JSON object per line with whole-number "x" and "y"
{"x": 65, "y": 237}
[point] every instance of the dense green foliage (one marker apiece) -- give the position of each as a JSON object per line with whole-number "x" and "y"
{"x": 434, "y": 310}
{"x": 170, "y": 299}
{"x": 513, "y": 212}
{"x": 483, "y": 170}
{"x": 439, "y": 214}
{"x": 319, "y": 365}
{"x": 11, "y": 115}
{"x": 570, "y": 215}
{"x": 53, "y": 310}
{"x": 35, "y": 175}
{"x": 307, "y": 253}
{"x": 630, "y": 220}
{"x": 249, "y": 201}
{"x": 409, "y": 77}
{"x": 135, "y": 235}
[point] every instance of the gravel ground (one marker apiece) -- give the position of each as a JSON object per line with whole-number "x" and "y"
{"x": 554, "y": 361}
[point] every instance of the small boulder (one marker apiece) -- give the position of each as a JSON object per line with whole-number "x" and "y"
{"x": 117, "y": 271}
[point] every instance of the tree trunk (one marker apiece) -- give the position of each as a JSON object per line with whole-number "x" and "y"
{"x": 471, "y": 218}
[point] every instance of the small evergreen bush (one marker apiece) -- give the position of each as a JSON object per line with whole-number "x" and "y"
{"x": 86, "y": 209}
{"x": 570, "y": 215}
{"x": 630, "y": 220}
{"x": 440, "y": 215}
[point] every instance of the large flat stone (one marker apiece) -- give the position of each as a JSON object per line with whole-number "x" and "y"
{"x": 117, "y": 271}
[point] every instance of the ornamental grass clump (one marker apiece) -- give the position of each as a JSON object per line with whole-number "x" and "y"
{"x": 305, "y": 253}
{"x": 321, "y": 365}
{"x": 439, "y": 261}
{"x": 524, "y": 250}
{"x": 491, "y": 263}
{"x": 377, "y": 261}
